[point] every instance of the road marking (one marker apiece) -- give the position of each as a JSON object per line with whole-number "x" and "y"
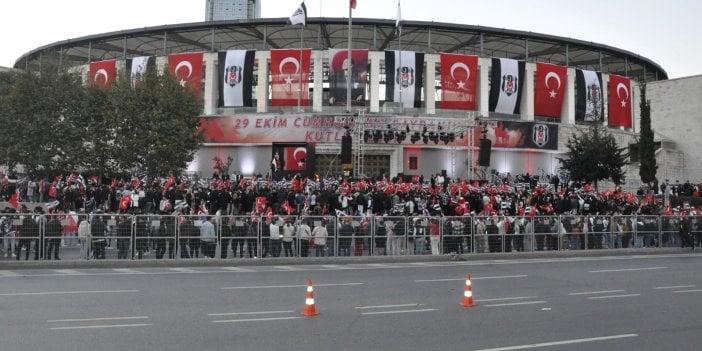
{"x": 127, "y": 271}
{"x": 335, "y": 266}
{"x": 380, "y": 265}
{"x": 628, "y": 269}
{"x": 69, "y": 292}
{"x": 562, "y": 342}
{"x": 102, "y": 326}
{"x": 247, "y": 313}
{"x": 508, "y": 298}
{"x": 94, "y": 319}
{"x": 284, "y": 286}
{"x": 400, "y": 311}
{"x": 183, "y": 270}
{"x": 256, "y": 319}
{"x": 236, "y": 269}
{"x": 687, "y": 291}
{"x": 388, "y": 306}
{"x": 287, "y": 268}
{"x": 515, "y": 303}
{"x": 595, "y": 292}
{"x": 68, "y": 272}
{"x": 674, "y": 287}
{"x": 9, "y": 274}
{"x": 611, "y": 296}
{"x": 472, "y": 278}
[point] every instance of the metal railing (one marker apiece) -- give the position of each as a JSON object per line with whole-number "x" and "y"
{"x": 155, "y": 237}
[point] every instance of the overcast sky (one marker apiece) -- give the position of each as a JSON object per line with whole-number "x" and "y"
{"x": 666, "y": 32}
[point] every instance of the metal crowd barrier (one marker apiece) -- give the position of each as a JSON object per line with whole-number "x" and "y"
{"x": 157, "y": 237}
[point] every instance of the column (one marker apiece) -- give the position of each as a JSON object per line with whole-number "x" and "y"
{"x": 430, "y": 83}
{"x": 483, "y": 87}
{"x": 527, "y": 102}
{"x": 262, "y": 90}
{"x": 374, "y": 57}
{"x": 210, "y": 102}
{"x": 318, "y": 87}
{"x": 605, "y": 99}
{"x": 568, "y": 110}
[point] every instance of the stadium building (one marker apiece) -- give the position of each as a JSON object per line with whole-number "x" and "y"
{"x": 276, "y": 95}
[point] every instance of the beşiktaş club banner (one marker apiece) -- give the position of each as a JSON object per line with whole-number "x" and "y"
{"x": 270, "y": 128}
{"x": 506, "y": 85}
{"x": 290, "y": 77}
{"x": 187, "y": 68}
{"x": 589, "y": 106}
{"x": 102, "y": 73}
{"x": 520, "y": 135}
{"x": 137, "y": 67}
{"x": 338, "y": 75}
{"x": 235, "y": 77}
{"x": 458, "y": 81}
{"x": 404, "y": 74}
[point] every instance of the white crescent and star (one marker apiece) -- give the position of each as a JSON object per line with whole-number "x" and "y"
{"x": 293, "y": 61}
{"x": 621, "y": 86}
{"x": 303, "y": 150}
{"x": 187, "y": 65}
{"x": 550, "y": 75}
{"x": 461, "y": 84}
{"x": 101, "y": 72}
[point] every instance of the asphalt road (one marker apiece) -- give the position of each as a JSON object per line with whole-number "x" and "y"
{"x": 584, "y": 303}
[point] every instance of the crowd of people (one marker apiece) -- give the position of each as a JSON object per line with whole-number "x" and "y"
{"x": 297, "y": 215}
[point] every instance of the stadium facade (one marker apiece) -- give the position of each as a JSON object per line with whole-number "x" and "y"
{"x": 409, "y": 117}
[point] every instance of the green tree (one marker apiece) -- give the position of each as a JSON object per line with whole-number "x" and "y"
{"x": 647, "y": 149}
{"x": 36, "y": 114}
{"x": 593, "y": 155}
{"x": 156, "y": 124}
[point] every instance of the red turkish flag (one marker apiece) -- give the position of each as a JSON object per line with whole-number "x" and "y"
{"x": 102, "y": 73}
{"x": 295, "y": 158}
{"x": 549, "y": 89}
{"x": 290, "y": 75}
{"x": 187, "y": 68}
{"x": 458, "y": 81}
{"x": 619, "y": 101}
{"x": 352, "y": 3}
{"x": 14, "y": 200}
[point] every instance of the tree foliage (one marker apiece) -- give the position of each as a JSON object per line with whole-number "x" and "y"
{"x": 593, "y": 155}
{"x": 647, "y": 149}
{"x": 53, "y": 124}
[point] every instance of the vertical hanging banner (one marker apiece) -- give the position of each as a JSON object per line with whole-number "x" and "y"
{"x": 187, "y": 68}
{"x": 404, "y": 72}
{"x": 290, "y": 74}
{"x": 458, "y": 81}
{"x": 102, "y": 73}
{"x": 619, "y": 101}
{"x": 549, "y": 91}
{"x": 506, "y": 85}
{"x": 589, "y": 106}
{"x": 338, "y": 76}
{"x": 137, "y": 67}
{"x": 235, "y": 77}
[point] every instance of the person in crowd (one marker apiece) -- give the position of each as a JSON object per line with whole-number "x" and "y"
{"x": 346, "y": 233}
{"x": 275, "y": 236}
{"x": 208, "y": 237}
{"x": 434, "y": 236}
{"x": 287, "y": 238}
{"x": 239, "y": 233}
{"x": 419, "y": 230}
{"x": 97, "y": 235}
{"x": 319, "y": 235}
{"x": 304, "y": 234}
{"x": 53, "y": 231}
{"x": 124, "y": 237}
{"x": 7, "y": 230}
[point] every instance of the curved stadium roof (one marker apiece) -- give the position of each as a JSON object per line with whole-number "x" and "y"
{"x": 325, "y": 33}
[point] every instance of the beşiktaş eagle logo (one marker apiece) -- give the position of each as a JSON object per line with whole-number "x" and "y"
{"x": 404, "y": 76}
{"x": 509, "y": 84}
{"x": 593, "y": 103}
{"x": 232, "y": 75}
{"x": 539, "y": 135}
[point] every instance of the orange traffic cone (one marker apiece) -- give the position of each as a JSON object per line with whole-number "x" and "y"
{"x": 309, "y": 301}
{"x": 467, "y": 294}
